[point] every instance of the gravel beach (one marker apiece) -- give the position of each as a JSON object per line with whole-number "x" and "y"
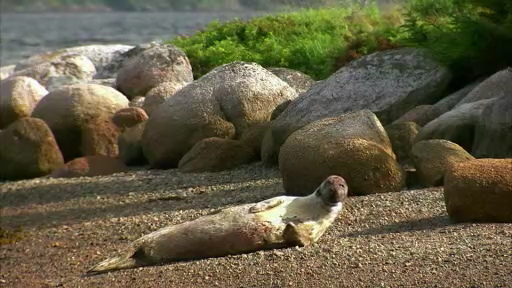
{"x": 401, "y": 239}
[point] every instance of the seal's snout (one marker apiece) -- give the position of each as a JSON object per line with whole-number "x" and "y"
{"x": 335, "y": 189}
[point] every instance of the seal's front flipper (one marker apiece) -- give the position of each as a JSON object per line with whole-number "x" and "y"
{"x": 295, "y": 236}
{"x": 265, "y": 205}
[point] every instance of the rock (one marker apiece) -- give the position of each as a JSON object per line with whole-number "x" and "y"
{"x": 222, "y": 103}
{"x": 65, "y": 70}
{"x": 457, "y": 125}
{"x": 129, "y": 117}
{"x": 296, "y": 79}
{"x": 496, "y": 86}
{"x": 479, "y": 191}
{"x": 18, "y": 97}
{"x": 137, "y": 101}
{"x": 420, "y": 115}
{"x": 253, "y": 137}
{"x": 68, "y": 110}
{"x": 401, "y": 136}
{"x": 279, "y": 109}
{"x": 354, "y": 146}
{"x": 99, "y": 137}
{"x": 6, "y": 71}
{"x": 216, "y": 154}
{"x": 28, "y": 150}
{"x": 111, "y": 69}
{"x": 100, "y": 55}
{"x": 152, "y": 67}
{"x": 90, "y": 166}
{"x": 110, "y": 82}
{"x": 432, "y": 158}
{"x": 390, "y": 83}
{"x": 493, "y": 133}
{"x": 159, "y": 94}
{"x": 130, "y": 146}
{"x": 448, "y": 103}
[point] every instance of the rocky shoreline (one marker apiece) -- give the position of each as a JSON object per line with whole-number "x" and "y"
{"x": 100, "y": 144}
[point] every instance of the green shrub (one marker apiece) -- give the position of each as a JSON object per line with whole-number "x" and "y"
{"x": 316, "y": 42}
{"x": 473, "y": 38}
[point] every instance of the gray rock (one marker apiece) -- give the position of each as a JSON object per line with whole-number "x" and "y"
{"x": 390, "y": 83}
{"x": 457, "y": 125}
{"x": 6, "y": 71}
{"x": 110, "y": 69}
{"x": 100, "y": 55}
{"x": 156, "y": 96}
{"x": 493, "y": 136}
{"x": 448, "y": 103}
{"x": 496, "y": 86}
{"x": 296, "y": 79}
{"x": 420, "y": 115}
{"x": 222, "y": 103}
{"x": 152, "y": 67}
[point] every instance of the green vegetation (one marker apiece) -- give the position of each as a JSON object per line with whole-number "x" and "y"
{"x": 472, "y": 37}
{"x": 316, "y": 42}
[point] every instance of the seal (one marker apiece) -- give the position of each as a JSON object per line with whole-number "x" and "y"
{"x": 278, "y": 222}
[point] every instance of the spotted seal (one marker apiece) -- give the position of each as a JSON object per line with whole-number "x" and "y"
{"x": 278, "y": 222}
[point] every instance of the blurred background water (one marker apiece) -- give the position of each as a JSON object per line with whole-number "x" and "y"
{"x": 26, "y": 34}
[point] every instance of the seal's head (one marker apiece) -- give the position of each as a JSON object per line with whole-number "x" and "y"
{"x": 333, "y": 190}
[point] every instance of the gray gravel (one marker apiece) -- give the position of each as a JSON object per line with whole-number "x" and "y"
{"x": 398, "y": 239}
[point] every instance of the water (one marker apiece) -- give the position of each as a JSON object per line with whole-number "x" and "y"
{"x": 23, "y": 35}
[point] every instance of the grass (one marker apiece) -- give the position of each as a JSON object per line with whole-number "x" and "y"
{"x": 472, "y": 38}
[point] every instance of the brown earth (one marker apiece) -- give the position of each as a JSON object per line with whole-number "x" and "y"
{"x": 402, "y": 239}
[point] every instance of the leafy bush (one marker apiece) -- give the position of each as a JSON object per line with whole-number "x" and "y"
{"x": 473, "y": 38}
{"x": 316, "y": 42}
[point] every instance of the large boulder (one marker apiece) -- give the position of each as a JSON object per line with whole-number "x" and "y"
{"x": 457, "y": 125}
{"x": 129, "y": 117}
{"x": 69, "y": 110}
{"x": 90, "y": 166}
{"x": 61, "y": 71}
{"x": 216, "y": 154}
{"x": 493, "y": 134}
{"x": 28, "y": 150}
{"x": 110, "y": 69}
{"x": 18, "y": 97}
{"x": 496, "y": 86}
{"x": 390, "y": 83}
{"x": 152, "y": 67}
{"x": 449, "y": 102}
{"x": 100, "y": 55}
{"x": 222, "y": 103}
{"x": 401, "y": 136}
{"x": 156, "y": 96}
{"x": 296, "y": 79}
{"x": 420, "y": 115}
{"x": 479, "y": 191}
{"x": 130, "y": 145}
{"x": 354, "y": 146}
{"x": 432, "y": 158}
{"x": 99, "y": 137}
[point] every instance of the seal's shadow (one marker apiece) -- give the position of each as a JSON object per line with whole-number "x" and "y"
{"x": 429, "y": 223}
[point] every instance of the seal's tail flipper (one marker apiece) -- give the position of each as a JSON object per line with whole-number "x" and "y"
{"x": 113, "y": 264}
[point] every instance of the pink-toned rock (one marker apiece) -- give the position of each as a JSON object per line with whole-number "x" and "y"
{"x": 99, "y": 137}
{"x": 90, "y": 166}
{"x": 129, "y": 117}
{"x": 159, "y": 94}
{"x": 69, "y": 110}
